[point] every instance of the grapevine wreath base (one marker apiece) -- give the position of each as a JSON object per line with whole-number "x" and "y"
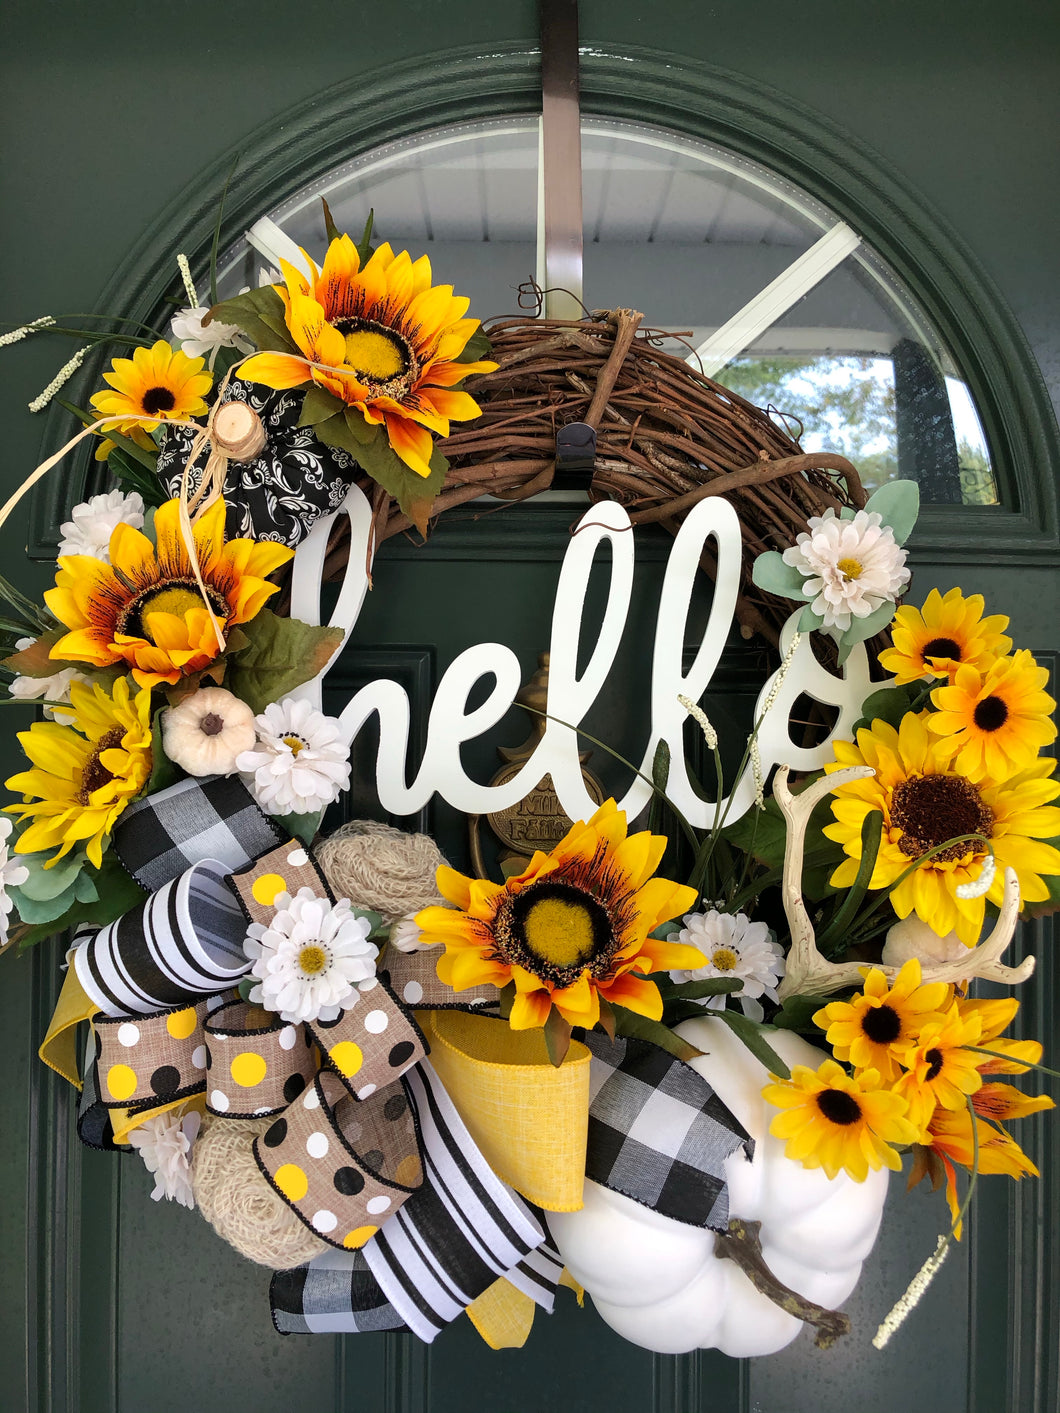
{"x": 414, "y": 1094}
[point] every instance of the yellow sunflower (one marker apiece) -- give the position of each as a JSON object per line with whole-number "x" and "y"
{"x": 939, "y": 1069}
{"x": 83, "y": 774}
{"x": 839, "y": 1123}
{"x": 144, "y": 607}
{"x": 995, "y": 722}
{"x": 925, "y": 802}
{"x": 947, "y": 632}
{"x": 570, "y": 930}
{"x": 396, "y": 334}
{"x": 158, "y": 382}
{"x": 869, "y": 1029}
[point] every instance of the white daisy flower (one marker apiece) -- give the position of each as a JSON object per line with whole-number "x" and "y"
{"x": 405, "y": 936}
{"x": 205, "y": 732}
{"x": 55, "y": 688}
{"x": 310, "y": 958}
{"x": 735, "y": 947}
{"x": 199, "y": 340}
{"x": 92, "y": 523}
{"x": 850, "y": 567}
{"x": 165, "y": 1143}
{"x": 300, "y": 763}
{"x": 12, "y": 873}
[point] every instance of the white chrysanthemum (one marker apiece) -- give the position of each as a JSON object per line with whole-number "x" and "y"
{"x": 300, "y": 762}
{"x": 12, "y": 873}
{"x": 309, "y": 960}
{"x": 851, "y": 567}
{"x": 92, "y": 523}
{"x": 165, "y": 1143}
{"x": 55, "y": 688}
{"x": 406, "y": 936}
{"x": 735, "y": 947}
{"x": 207, "y": 731}
{"x": 199, "y": 340}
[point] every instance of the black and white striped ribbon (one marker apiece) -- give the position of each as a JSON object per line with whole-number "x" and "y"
{"x": 185, "y": 941}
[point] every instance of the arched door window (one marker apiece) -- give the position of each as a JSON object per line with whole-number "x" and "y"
{"x": 767, "y": 289}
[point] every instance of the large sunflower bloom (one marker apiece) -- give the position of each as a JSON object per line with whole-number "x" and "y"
{"x": 570, "y": 930}
{"x": 84, "y": 774}
{"x": 995, "y": 722}
{"x": 158, "y": 382}
{"x": 924, "y": 802}
{"x": 834, "y": 1121}
{"x": 868, "y": 1029}
{"x": 947, "y": 632}
{"x": 396, "y": 334}
{"x": 144, "y": 607}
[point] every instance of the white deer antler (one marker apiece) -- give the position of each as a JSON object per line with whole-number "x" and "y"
{"x": 808, "y": 973}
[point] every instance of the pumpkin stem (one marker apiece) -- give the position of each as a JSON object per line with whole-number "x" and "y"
{"x": 740, "y": 1243}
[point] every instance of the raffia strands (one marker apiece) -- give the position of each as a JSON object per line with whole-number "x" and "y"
{"x": 666, "y": 438}
{"x": 237, "y": 1201}
{"x": 379, "y": 867}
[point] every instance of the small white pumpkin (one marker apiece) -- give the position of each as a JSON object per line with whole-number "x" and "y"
{"x": 205, "y": 732}
{"x": 657, "y": 1281}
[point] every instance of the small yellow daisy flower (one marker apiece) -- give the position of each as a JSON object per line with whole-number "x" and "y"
{"x": 839, "y": 1123}
{"x": 994, "y": 723}
{"x": 871, "y": 1028}
{"x": 158, "y": 382}
{"x": 939, "y": 1069}
{"x": 947, "y": 632}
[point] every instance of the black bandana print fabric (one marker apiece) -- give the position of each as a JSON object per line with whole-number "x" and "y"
{"x": 281, "y": 494}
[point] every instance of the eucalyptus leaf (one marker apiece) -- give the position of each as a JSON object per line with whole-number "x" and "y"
{"x": 753, "y": 1036}
{"x": 46, "y": 883}
{"x": 43, "y": 910}
{"x": 898, "y": 503}
{"x": 116, "y": 893}
{"x": 861, "y": 629}
{"x": 809, "y": 621}
{"x": 281, "y": 654}
{"x": 775, "y": 577}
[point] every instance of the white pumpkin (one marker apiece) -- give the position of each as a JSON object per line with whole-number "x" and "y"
{"x": 658, "y": 1283}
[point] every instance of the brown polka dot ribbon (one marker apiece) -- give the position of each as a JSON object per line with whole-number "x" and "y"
{"x": 152, "y": 1059}
{"x": 258, "y": 1064}
{"x": 344, "y": 1167}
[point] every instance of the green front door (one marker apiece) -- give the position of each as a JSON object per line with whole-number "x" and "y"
{"x": 120, "y": 126}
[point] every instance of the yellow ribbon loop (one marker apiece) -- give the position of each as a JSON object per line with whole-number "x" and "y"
{"x": 529, "y": 1118}
{"x": 502, "y": 1315}
{"x": 59, "y": 1047}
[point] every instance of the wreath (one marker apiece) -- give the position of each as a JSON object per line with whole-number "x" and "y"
{"x": 671, "y": 1068}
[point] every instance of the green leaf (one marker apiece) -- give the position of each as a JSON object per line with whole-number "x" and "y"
{"x": 35, "y": 661}
{"x": 43, "y": 883}
{"x": 889, "y": 704}
{"x": 336, "y": 431}
{"x": 163, "y": 771}
{"x": 304, "y": 827}
{"x": 753, "y": 1037}
{"x": 862, "y": 629}
{"x": 331, "y": 230}
{"x": 414, "y": 494}
{"x": 713, "y": 986}
{"x": 898, "y": 502}
{"x": 364, "y": 245}
{"x": 318, "y": 405}
{"x": 638, "y": 1027}
{"x": 775, "y": 577}
{"x": 125, "y": 444}
{"x": 246, "y": 986}
{"x": 281, "y": 654}
{"x": 506, "y": 999}
{"x": 871, "y": 834}
{"x": 477, "y": 347}
{"x": 260, "y": 314}
{"x": 660, "y": 766}
{"x": 557, "y": 1037}
{"x": 797, "y": 1013}
{"x": 116, "y": 894}
{"x": 607, "y": 1018}
{"x": 380, "y": 930}
{"x": 35, "y": 616}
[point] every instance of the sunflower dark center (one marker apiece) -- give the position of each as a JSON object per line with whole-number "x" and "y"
{"x": 381, "y": 357}
{"x": 158, "y": 400}
{"x": 941, "y": 647}
{"x": 882, "y": 1024}
{"x": 929, "y": 809}
{"x": 95, "y": 773}
{"x": 934, "y": 1059}
{"x": 838, "y": 1106}
{"x": 990, "y": 714}
{"x": 171, "y": 596}
{"x": 555, "y": 930}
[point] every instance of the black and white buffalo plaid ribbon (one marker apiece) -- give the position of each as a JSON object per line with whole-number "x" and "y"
{"x": 446, "y": 1245}
{"x": 658, "y": 1132}
{"x": 159, "y": 837}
